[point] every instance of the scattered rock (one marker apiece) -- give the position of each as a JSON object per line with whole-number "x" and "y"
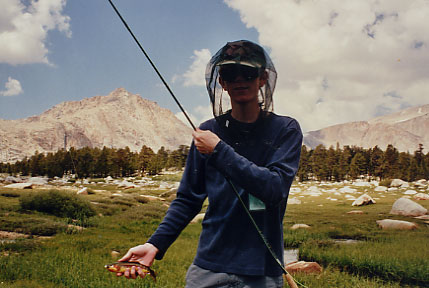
{"x": 152, "y": 198}
{"x": 168, "y": 193}
{"x": 405, "y": 185}
{"x": 363, "y": 200}
{"x": 355, "y": 212}
{"x": 12, "y": 235}
{"x": 423, "y": 217}
{"x": 299, "y": 226}
{"x": 380, "y": 189}
{"x": 127, "y": 185}
{"x": 293, "y": 200}
{"x": 38, "y": 181}
{"x": 20, "y": 186}
{"x": 421, "y": 196}
{"x": 83, "y": 191}
{"x": 362, "y": 184}
{"x": 350, "y": 197}
{"x": 347, "y": 189}
{"x": 305, "y": 267}
{"x": 396, "y": 224}
{"x": 410, "y": 192}
{"x": 422, "y": 183}
{"x": 198, "y": 218}
{"x": 397, "y": 183}
{"x": 165, "y": 185}
{"x": 407, "y": 207}
{"x": 75, "y": 228}
{"x": 115, "y": 254}
{"x": 12, "y": 179}
{"x": 312, "y": 191}
{"x": 294, "y": 190}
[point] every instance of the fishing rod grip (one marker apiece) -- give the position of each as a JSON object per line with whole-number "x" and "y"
{"x": 290, "y": 281}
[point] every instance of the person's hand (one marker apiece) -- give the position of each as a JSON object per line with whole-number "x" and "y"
{"x": 143, "y": 254}
{"x": 205, "y": 141}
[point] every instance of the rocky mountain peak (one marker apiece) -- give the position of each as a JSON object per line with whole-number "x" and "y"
{"x": 405, "y": 130}
{"x": 116, "y": 120}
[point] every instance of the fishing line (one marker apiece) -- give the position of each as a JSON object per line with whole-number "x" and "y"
{"x": 153, "y": 65}
{"x": 267, "y": 245}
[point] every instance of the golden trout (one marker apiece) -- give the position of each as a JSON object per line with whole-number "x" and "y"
{"x": 120, "y": 267}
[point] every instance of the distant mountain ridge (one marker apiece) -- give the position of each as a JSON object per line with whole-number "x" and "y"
{"x": 117, "y": 120}
{"x": 405, "y": 130}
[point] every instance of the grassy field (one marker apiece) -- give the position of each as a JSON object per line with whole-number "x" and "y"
{"x": 58, "y": 255}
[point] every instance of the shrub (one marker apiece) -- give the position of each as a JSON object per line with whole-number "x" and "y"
{"x": 10, "y": 194}
{"x": 141, "y": 199}
{"x": 385, "y": 182}
{"x": 58, "y": 203}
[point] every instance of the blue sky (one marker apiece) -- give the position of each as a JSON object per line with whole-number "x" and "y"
{"x": 337, "y": 61}
{"x": 100, "y": 55}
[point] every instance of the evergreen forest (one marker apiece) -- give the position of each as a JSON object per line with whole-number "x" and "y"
{"x": 320, "y": 163}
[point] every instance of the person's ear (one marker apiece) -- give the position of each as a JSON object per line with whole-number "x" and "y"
{"x": 263, "y": 79}
{"x": 222, "y": 83}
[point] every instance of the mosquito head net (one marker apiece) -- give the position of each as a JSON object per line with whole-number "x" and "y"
{"x": 245, "y": 53}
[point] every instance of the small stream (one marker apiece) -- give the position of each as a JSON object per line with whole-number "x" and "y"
{"x": 346, "y": 241}
{"x": 292, "y": 255}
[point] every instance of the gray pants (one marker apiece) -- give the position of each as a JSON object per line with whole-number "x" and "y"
{"x": 198, "y": 277}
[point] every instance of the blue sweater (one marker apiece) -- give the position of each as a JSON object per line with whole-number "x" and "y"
{"x": 260, "y": 158}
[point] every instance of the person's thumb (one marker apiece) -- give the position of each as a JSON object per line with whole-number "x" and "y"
{"x": 126, "y": 257}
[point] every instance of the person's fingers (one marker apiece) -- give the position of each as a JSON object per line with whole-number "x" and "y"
{"x": 127, "y": 273}
{"x": 141, "y": 272}
{"x": 133, "y": 272}
{"x": 126, "y": 257}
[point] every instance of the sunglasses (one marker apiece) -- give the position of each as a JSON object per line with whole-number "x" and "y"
{"x": 230, "y": 72}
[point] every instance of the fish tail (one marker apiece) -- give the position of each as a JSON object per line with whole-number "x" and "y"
{"x": 152, "y": 274}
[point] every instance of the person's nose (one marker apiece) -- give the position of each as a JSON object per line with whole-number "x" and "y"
{"x": 239, "y": 78}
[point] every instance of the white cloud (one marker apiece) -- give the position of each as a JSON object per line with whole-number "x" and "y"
{"x": 197, "y": 116}
{"x": 195, "y": 74}
{"x": 340, "y": 61}
{"x": 23, "y": 29}
{"x": 13, "y": 87}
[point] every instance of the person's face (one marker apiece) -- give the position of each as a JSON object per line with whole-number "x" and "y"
{"x": 242, "y": 82}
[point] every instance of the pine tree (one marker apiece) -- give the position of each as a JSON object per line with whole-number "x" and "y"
{"x": 404, "y": 164}
{"x": 318, "y": 163}
{"x": 37, "y": 164}
{"x": 145, "y": 158}
{"x": 332, "y": 163}
{"x": 421, "y": 165}
{"x": 358, "y": 165}
{"x": 375, "y": 162}
{"x": 390, "y": 162}
{"x": 344, "y": 162}
{"x": 304, "y": 169}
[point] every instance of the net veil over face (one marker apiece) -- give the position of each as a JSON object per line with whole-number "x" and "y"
{"x": 244, "y": 53}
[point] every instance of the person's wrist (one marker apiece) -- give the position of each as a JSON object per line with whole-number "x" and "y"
{"x": 153, "y": 247}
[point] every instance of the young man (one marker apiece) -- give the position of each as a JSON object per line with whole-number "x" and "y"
{"x": 255, "y": 149}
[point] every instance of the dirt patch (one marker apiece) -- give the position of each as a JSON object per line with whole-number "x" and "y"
{"x": 12, "y": 235}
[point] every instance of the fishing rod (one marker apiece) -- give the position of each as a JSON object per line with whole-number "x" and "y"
{"x": 289, "y": 278}
{"x": 152, "y": 64}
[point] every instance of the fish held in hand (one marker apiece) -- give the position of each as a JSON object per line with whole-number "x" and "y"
{"x": 120, "y": 267}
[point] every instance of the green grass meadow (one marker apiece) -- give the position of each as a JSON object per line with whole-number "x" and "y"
{"x": 56, "y": 255}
